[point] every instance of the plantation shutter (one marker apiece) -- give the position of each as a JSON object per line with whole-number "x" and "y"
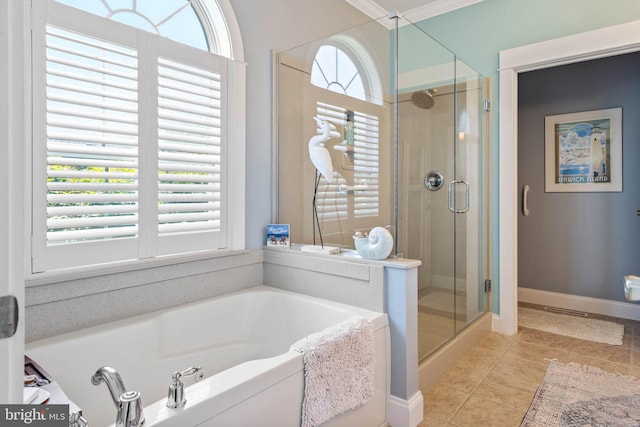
{"x": 366, "y": 165}
{"x": 191, "y": 113}
{"x": 128, "y": 142}
{"x": 333, "y": 201}
{"x": 92, "y": 144}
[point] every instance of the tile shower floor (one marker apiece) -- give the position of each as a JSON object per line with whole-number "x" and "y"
{"x": 493, "y": 384}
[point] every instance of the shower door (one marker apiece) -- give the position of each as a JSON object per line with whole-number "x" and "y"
{"x": 442, "y": 189}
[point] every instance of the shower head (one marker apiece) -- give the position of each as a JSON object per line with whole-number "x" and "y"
{"x": 424, "y": 99}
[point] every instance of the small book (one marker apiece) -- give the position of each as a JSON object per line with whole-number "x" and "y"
{"x": 278, "y": 235}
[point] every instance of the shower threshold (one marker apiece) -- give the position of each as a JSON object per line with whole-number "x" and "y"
{"x": 437, "y": 364}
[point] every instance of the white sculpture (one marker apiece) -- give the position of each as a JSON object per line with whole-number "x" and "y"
{"x": 321, "y": 159}
{"x": 377, "y": 245}
{"x": 320, "y": 156}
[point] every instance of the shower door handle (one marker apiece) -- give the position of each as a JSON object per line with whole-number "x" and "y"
{"x": 452, "y": 186}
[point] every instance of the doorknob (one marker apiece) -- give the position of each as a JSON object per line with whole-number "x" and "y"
{"x": 8, "y": 316}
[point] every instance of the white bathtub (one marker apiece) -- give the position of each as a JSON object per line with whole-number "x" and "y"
{"x": 241, "y": 340}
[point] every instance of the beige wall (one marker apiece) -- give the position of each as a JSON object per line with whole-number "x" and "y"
{"x": 267, "y": 26}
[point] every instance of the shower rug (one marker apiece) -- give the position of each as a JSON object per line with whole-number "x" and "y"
{"x": 574, "y": 395}
{"x": 577, "y": 327}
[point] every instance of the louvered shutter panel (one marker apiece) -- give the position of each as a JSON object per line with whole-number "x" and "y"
{"x": 91, "y": 139}
{"x": 332, "y": 205}
{"x": 189, "y": 149}
{"x": 333, "y": 202}
{"x": 192, "y": 118}
{"x": 366, "y": 165}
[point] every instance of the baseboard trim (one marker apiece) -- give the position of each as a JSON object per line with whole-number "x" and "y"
{"x": 406, "y": 413}
{"x": 623, "y": 310}
{"x": 495, "y": 323}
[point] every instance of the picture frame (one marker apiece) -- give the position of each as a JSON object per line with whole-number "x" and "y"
{"x": 583, "y": 151}
{"x": 278, "y": 235}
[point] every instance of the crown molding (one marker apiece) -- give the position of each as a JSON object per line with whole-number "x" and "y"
{"x": 417, "y": 14}
{"x": 369, "y": 8}
{"x": 373, "y": 10}
{"x": 435, "y": 8}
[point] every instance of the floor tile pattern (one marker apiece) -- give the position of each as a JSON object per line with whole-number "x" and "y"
{"x": 493, "y": 384}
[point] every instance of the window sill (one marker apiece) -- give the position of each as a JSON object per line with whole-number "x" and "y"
{"x": 56, "y": 276}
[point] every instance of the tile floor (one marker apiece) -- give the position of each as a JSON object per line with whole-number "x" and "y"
{"x": 493, "y": 384}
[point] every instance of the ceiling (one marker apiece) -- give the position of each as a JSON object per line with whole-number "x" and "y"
{"x": 411, "y": 10}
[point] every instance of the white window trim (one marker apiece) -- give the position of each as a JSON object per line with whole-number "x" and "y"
{"x": 371, "y": 105}
{"x": 235, "y": 156}
{"x": 361, "y": 60}
{"x": 233, "y": 29}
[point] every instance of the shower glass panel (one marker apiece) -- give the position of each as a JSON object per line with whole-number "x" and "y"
{"x": 344, "y": 80}
{"x": 408, "y": 150}
{"x": 442, "y": 185}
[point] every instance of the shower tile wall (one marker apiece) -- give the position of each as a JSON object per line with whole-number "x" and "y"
{"x": 445, "y": 138}
{"x": 426, "y": 147}
{"x": 425, "y": 137}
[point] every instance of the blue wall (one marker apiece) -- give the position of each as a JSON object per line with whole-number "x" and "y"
{"x": 579, "y": 243}
{"x": 478, "y": 33}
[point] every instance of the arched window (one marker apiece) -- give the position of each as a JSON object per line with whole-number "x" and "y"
{"x": 132, "y": 102}
{"x": 333, "y": 69}
{"x": 342, "y": 65}
{"x": 198, "y": 24}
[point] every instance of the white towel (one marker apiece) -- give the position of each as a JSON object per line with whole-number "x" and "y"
{"x": 338, "y": 369}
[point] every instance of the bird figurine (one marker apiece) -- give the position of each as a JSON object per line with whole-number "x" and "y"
{"x": 319, "y": 155}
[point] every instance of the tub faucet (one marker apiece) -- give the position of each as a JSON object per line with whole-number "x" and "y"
{"x": 128, "y": 403}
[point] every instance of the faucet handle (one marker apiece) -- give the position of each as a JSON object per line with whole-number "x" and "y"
{"x": 76, "y": 420}
{"x": 195, "y": 371}
{"x": 175, "y": 396}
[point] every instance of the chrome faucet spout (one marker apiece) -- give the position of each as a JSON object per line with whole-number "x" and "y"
{"x": 112, "y": 379}
{"x": 130, "y": 413}
{"x": 128, "y": 403}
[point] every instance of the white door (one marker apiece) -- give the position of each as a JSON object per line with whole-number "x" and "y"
{"x": 13, "y": 139}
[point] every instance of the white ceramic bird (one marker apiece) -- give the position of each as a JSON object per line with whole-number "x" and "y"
{"x": 320, "y": 156}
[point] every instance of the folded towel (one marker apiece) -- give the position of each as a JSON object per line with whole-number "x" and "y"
{"x": 338, "y": 369}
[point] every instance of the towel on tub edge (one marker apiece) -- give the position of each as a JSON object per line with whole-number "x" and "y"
{"x": 338, "y": 369}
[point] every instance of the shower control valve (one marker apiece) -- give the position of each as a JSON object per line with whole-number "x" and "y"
{"x": 434, "y": 180}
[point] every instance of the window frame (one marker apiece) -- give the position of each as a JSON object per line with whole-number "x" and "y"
{"x": 334, "y": 220}
{"x": 361, "y": 60}
{"x": 233, "y": 209}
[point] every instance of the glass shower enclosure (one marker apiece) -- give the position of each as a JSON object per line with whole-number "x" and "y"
{"x": 408, "y": 145}
{"x": 442, "y": 184}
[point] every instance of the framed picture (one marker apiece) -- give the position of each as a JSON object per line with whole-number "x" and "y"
{"x": 583, "y": 151}
{"x": 278, "y": 235}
